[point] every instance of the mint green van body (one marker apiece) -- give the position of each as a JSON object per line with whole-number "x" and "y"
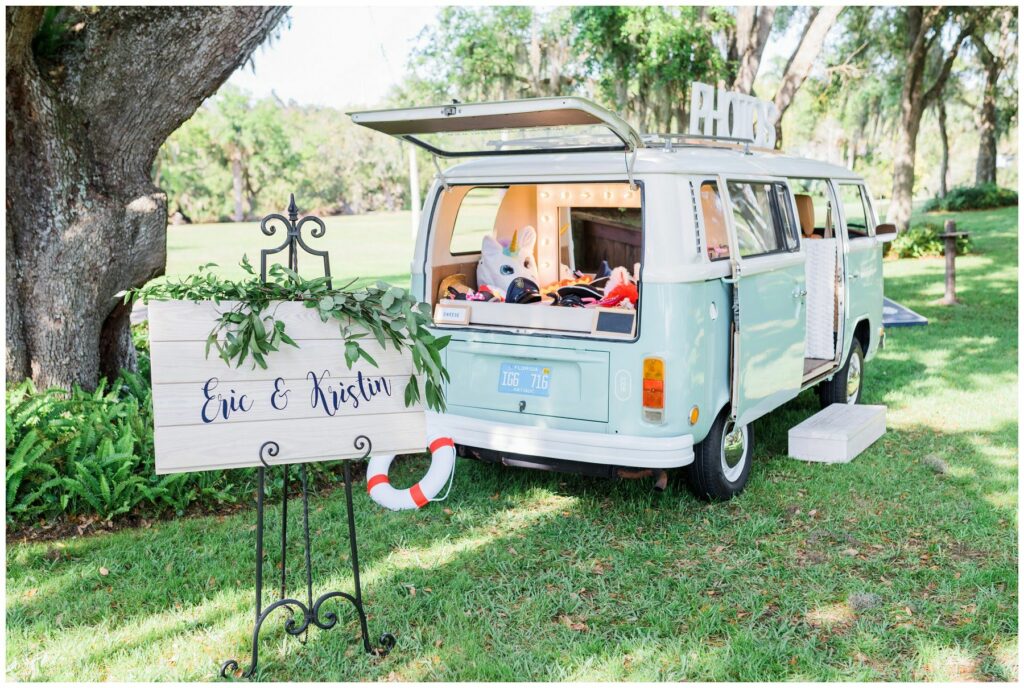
{"x": 728, "y": 323}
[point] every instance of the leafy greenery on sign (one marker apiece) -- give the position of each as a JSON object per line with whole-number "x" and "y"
{"x": 247, "y": 331}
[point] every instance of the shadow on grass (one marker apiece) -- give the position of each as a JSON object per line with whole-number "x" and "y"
{"x": 546, "y": 577}
{"x": 535, "y": 576}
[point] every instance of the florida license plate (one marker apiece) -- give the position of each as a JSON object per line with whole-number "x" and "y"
{"x": 531, "y": 380}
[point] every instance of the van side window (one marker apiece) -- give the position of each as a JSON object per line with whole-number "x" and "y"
{"x": 790, "y": 230}
{"x": 714, "y": 221}
{"x": 855, "y": 210}
{"x": 477, "y": 213}
{"x": 814, "y": 207}
{"x": 763, "y": 224}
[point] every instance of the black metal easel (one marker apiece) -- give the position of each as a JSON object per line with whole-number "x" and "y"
{"x": 310, "y": 609}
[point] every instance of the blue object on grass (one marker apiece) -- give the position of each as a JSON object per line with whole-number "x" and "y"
{"x": 897, "y": 315}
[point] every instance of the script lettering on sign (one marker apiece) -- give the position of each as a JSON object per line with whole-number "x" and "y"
{"x": 721, "y": 113}
{"x": 211, "y": 415}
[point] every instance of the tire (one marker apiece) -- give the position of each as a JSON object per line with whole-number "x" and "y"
{"x": 714, "y": 473}
{"x": 847, "y": 385}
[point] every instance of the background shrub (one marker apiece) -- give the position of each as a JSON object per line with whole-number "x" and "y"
{"x": 922, "y": 239}
{"x": 973, "y": 198}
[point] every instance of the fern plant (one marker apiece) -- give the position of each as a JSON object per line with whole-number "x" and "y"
{"x": 90, "y": 453}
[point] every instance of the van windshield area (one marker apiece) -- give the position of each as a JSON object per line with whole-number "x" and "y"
{"x": 538, "y": 256}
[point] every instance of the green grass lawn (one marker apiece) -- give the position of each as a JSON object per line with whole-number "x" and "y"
{"x": 533, "y": 576}
{"x": 373, "y": 246}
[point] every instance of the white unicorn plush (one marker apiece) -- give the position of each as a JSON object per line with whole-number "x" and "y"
{"x": 500, "y": 264}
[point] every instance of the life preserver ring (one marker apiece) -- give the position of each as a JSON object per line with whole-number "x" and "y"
{"x": 442, "y": 462}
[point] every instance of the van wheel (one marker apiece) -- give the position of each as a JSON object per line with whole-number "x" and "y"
{"x": 846, "y": 386}
{"x": 721, "y": 463}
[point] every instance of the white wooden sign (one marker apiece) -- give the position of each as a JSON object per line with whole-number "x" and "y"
{"x": 209, "y": 415}
{"x": 717, "y": 112}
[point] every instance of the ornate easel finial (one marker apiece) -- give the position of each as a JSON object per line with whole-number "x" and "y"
{"x": 293, "y": 210}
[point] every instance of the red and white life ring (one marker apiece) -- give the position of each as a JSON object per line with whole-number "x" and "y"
{"x": 442, "y": 462}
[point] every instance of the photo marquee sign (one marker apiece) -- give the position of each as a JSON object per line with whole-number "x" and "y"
{"x": 211, "y": 415}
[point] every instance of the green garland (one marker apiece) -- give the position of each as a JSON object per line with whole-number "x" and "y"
{"x": 386, "y": 312}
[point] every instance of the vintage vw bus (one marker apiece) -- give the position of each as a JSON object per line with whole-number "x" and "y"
{"x": 750, "y": 276}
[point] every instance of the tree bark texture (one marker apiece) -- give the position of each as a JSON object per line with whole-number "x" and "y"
{"x": 753, "y": 25}
{"x": 985, "y": 167}
{"x": 819, "y": 23}
{"x": 85, "y": 118}
{"x": 940, "y": 106}
{"x": 923, "y": 30}
{"x": 994, "y": 62}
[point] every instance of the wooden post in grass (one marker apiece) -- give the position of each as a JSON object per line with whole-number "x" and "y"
{"x": 949, "y": 236}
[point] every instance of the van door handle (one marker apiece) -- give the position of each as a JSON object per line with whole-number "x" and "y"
{"x": 799, "y": 293}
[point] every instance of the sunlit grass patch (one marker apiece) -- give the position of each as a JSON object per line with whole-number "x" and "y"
{"x": 884, "y": 569}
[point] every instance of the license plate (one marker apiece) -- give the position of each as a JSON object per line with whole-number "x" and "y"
{"x": 531, "y": 380}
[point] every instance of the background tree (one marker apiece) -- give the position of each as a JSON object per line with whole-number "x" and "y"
{"x": 251, "y": 140}
{"x": 820, "y": 21}
{"x": 921, "y": 30}
{"x": 495, "y": 53}
{"x": 91, "y": 95}
{"x": 239, "y": 157}
{"x": 998, "y": 30}
{"x": 636, "y": 61}
{"x": 643, "y": 59}
{"x": 746, "y": 43}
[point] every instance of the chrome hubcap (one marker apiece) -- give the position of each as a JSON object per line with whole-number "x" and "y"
{"x": 853, "y": 376}
{"x": 734, "y": 451}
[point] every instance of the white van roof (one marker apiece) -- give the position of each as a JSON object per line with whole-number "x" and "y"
{"x": 692, "y": 160}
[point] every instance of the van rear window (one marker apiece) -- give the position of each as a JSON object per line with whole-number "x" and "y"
{"x": 475, "y": 219}
{"x": 539, "y": 256}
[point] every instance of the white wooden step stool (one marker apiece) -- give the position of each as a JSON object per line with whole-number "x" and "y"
{"x": 837, "y": 434}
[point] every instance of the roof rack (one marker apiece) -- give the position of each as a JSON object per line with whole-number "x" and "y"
{"x": 669, "y": 141}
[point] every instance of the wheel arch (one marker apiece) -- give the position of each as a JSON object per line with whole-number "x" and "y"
{"x": 862, "y": 333}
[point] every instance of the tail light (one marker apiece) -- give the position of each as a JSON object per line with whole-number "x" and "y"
{"x": 654, "y": 390}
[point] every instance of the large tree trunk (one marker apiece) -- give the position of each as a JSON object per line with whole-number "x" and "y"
{"x": 753, "y": 25}
{"x": 903, "y": 170}
{"x": 819, "y": 23}
{"x": 84, "y": 122}
{"x": 994, "y": 61}
{"x": 985, "y": 168}
{"x": 940, "y": 105}
{"x": 913, "y": 100}
{"x": 237, "y": 186}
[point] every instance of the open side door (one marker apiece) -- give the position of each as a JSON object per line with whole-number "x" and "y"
{"x": 535, "y": 125}
{"x": 768, "y": 318}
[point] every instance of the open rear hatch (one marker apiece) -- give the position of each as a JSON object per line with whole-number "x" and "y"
{"x": 535, "y": 125}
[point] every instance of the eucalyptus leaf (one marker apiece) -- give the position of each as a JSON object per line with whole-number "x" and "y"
{"x": 386, "y": 312}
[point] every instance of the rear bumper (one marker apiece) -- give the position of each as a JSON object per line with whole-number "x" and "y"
{"x": 588, "y": 447}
